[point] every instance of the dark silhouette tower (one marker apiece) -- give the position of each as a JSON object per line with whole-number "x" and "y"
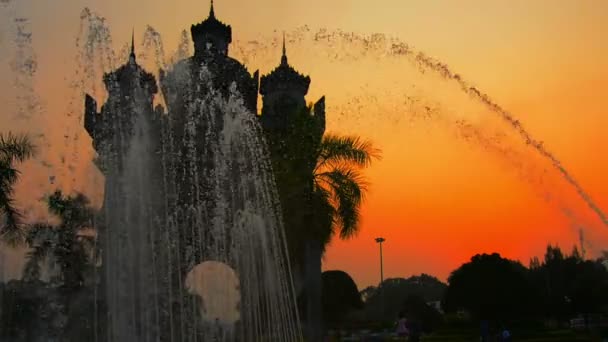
{"x": 192, "y": 89}
{"x": 130, "y": 89}
{"x": 283, "y": 92}
{"x": 211, "y": 37}
{"x": 211, "y": 40}
{"x": 124, "y": 136}
{"x": 294, "y": 132}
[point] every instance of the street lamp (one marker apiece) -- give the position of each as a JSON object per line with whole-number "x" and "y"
{"x": 380, "y": 240}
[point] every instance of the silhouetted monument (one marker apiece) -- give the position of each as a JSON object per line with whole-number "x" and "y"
{"x": 130, "y": 89}
{"x": 162, "y": 182}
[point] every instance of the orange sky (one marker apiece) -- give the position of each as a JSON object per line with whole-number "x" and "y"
{"x": 435, "y": 198}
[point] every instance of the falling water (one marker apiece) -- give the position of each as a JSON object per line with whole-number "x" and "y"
{"x": 183, "y": 189}
{"x": 181, "y": 192}
{"x": 159, "y": 227}
{"x": 25, "y": 65}
{"x": 346, "y": 48}
{"x": 443, "y": 70}
{"x": 382, "y": 47}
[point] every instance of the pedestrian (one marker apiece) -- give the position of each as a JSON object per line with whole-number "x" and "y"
{"x": 402, "y": 331}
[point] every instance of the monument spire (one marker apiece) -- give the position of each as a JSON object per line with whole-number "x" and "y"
{"x": 132, "y": 55}
{"x": 284, "y": 56}
{"x": 211, "y": 11}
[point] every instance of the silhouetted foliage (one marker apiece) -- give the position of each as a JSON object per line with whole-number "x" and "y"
{"x": 569, "y": 285}
{"x": 385, "y": 302}
{"x": 67, "y": 244}
{"x": 35, "y": 310}
{"x": 416, "y": 309}
{"x": 490, "y": 287}
{"x": 321, "y": 190}
{"x": 340, "y": 297}
{"x": 559, "y": 288}
{"x": 293, "y": 150}
{"x": 367, "y": 293}
{"x": 13, "y": 149}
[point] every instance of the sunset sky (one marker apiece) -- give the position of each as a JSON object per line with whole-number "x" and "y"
{"x": 436, "y": 199}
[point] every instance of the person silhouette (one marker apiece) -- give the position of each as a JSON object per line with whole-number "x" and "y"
{"x": 402, "y": 330}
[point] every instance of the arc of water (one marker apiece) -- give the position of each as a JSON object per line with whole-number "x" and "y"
{"x": 444, "y": 71}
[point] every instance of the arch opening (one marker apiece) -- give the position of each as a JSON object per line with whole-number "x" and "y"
{"x": 218, "y": 288}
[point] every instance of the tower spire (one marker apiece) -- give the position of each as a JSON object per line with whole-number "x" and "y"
{"x": 284, "y": 56}
{"x": 132, "y": 56}
{"x": 211, "y": 11}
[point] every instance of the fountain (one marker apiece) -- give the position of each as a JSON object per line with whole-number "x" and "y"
{"x": 187, "y": 188}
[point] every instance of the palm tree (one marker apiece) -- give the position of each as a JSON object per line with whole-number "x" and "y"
{"x": 338, "y": 189}
{"x": 13, "y": 149}
{"x": 338, "y": 184}
{"x": 321, "y": 189}
{"x": 70, "y": 244}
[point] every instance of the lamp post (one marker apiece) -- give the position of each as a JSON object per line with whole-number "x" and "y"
{"x": 380, "y": 240}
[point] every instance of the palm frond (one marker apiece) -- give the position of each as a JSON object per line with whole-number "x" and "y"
{"x": 12, "y": 235}
{"x": 8, "y": 175}
{"x": 74, "y": 211}
{"x": 323, "y": 215}
{"x": 347, "y": 187}
{"x": 12, "y": 148}
{"x": 11, "y": 231}
{"x": 346, "y": 149}
{"x": 16, "y": 147}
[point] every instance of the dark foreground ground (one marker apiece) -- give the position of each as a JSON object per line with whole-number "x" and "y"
{"x": 461, "y": 335}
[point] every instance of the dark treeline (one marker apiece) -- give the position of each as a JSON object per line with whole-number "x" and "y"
{"x": 55, "y": 297}
{"x": 557, "y": 291}
{"x": 552, "y": 291}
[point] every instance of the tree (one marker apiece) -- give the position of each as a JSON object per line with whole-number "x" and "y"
{"x": 67, "y": 243}
{"x": 490, "y": 287}
{"x": 385, "y": 302}
{"x": 415, "y": 308}
{"x": 368, "y": 293}
{"x": 338, "y": 189}
{"x": 569, "y": 285}
{"x": 340, "y": 297}
{"x": 13, "y": 149}
{"x": 338, "y": 185}
{"x": 321, "y": 189}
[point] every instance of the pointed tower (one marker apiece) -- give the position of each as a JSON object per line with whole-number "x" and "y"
{"x": 211, "y": 36}
{"x": 283, "y": 93}
{"x": 128, "y": 87}
{"x": 293, "y": 132}
{"x": 211, "y": 39}
{"x": 132, "y": 54}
